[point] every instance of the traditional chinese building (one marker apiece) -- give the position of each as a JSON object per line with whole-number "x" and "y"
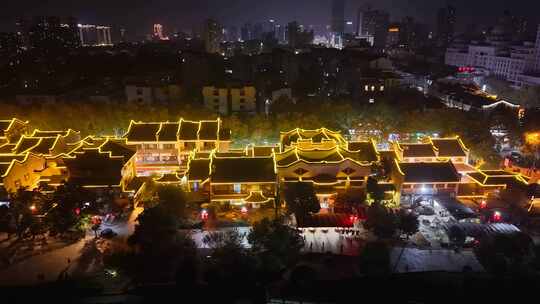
{"x": 12, "y": 129}
{"x": 234, "y": 178}
{"x": 327, "y": 160}
{"x": 164, "y": 147}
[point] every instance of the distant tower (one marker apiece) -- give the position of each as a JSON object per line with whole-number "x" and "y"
{"x": 103, "y": 35}
{"x": 446, "y": 22}
{"x": 212, "y": 36}
{"x": 338, "y": 16}
{"x": 373, "y": 23}
{"x": 158, "y": 31}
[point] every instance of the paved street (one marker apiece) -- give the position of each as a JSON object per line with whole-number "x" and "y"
{"x": 52, "y": 263}
{"x": 417, "y": 260}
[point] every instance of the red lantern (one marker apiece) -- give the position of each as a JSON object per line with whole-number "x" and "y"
{"x": 204, "y": 215}
{"x": 483, "y": 204}
{"x": 77, "y": 211}
{"x": 497, "y": 216}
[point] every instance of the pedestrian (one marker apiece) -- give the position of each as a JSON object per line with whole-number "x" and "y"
{"x": 341, "y": 248}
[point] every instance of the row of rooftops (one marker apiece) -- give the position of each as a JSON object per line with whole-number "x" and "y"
{"x": 182, "y": 130}
{"x": 434, "y": 147}
{"x": 257, "y": 164}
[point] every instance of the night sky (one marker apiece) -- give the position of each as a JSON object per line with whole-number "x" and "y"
{"x": 137, "y": 16}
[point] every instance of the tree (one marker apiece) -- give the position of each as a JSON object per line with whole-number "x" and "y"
{"x": 24, "y": 205}
{"x": 172, "y": 199}
{"x": 375, "y": 192}
{"x": 381, "y": 221}
{"x": 350, "y": 200}
{"x": 68, "y": 206}
{"x": 230, "y": 264}
{"x": 408, "y": 222}
{"x": 155, "y": 230}
{"x": 281, "y": 242}
{"x": 301, "y": 199}
{"x": 506, "y": 251}
{"x": 374, "y": 259}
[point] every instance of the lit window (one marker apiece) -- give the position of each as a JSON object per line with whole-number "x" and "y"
{"x": 237, "y": 188}
{"x": 372, "y": 88}
{"x": 195, "y": 186}
{"x": 366, "y": 88}
{"x": 381, "y": 88}
{"x": 371, "y": 100}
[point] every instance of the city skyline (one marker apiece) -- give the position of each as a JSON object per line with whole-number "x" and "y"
{"x": 191, "y": 14}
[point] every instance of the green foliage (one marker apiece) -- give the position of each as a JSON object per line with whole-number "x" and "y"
{"x": 65, "y": 201}
{"x": 156, "y": 230}
{"x": 408, "y": 222}
{"x": 172, "y": 199}
{"x": 375, "y": 192}
{"x": 276, "y": 239}
{"x": 381, "y": 221}
{"x": 301, "y": 199}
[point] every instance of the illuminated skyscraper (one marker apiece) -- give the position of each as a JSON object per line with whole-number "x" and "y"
{"x": 158, "y": 32}
{"x": 94, "y": 35}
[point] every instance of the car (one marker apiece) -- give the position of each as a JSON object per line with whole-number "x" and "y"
{"x": 107, "y": 233}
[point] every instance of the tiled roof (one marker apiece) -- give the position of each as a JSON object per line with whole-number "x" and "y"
{"x": 316, "y": 136}
{"x": 188, "y": 130}
{"x": 335, "y": 154}
{"x": 118, "y": 147}
{"x": 25, "y": 143}
{"x": 145, "y": 132}
{"x": 365, "y": 148}
{"x": 94, "y": 168}
{"x": 44, "y": 146}
{"x": 239, "y": 170}
{"x": 198, "y": 169}
{"x": 436, "y": 172}
{"x": 208, "y": 130}
{"x": 183, "y": 130}
{"x": 497, "y": 177}
{"x": 418, "y": 150}
{"x": 168, "y": 131}
{"x": 4, "y": 125}
{"x": 449, "y": 147}
{"x": 6, "y": 148}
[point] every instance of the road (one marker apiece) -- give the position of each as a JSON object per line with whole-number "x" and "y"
{"x": 51, "y": 264}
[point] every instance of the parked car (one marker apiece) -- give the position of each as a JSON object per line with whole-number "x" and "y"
{"x": 107, "y": 233}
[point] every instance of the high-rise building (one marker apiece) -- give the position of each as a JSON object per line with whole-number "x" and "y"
{"x": 49, "y": 32}
{"x": 213, "y": 33}
{"x": 231, "y": 33}
{"x": 95, "y": 35}
{"x": 503, "y": 59}
{"x": 373, "y": 23}
{"x": 258, "y": 31}
{"x": 446, "y": 22}
{"x": 123, "y": 37}
{"x": 10, "y": 44}
{"x": 246, "y": 32}
{"x": 338, "y": 16}
{"x": 297, "y": 37}
{"x": 158, "y": 32}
